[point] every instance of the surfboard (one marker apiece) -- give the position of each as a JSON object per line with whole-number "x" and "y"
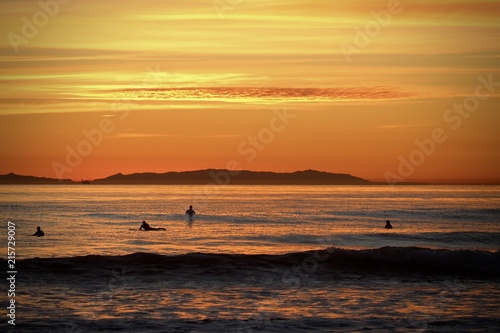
{"x": 159, "y": 229}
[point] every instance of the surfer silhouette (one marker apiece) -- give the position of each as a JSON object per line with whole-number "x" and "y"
{"x": 39, "y": 232}
{"x": 388, "y": 224}
{"x": 146, "y": 227}
{"x": 190, "y": 211}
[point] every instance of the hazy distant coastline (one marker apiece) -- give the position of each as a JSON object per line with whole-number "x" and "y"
{"x": 203, "y": 177}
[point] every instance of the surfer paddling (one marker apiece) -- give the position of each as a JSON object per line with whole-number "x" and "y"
{"x": 39, "y": 232}
{"x": 146, "y": 227}
{"x": 190, "y": 211}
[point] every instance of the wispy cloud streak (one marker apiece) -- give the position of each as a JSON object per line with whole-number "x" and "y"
{"x": 257, "y": 94}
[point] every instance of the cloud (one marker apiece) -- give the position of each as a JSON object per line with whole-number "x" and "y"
{"x": 157, "y": 135}
{"x": 401, "y": 126}
{"x": 192, "y": 98}
{"x": 264, "y": 94}
{"x": 470, "y": 8}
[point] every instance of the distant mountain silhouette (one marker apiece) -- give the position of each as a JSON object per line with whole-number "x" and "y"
{"x": 13, "y": 179}
{"x": 203, "y": 177}
{"x": 226, "y": 177}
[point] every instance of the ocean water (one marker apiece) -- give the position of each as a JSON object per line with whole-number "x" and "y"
{"x": 254, "y": 258}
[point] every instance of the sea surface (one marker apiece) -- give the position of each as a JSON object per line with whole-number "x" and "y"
{"x": 252, "y": 259}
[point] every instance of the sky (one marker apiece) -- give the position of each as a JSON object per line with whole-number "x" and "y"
{"x": 384, "y": 90}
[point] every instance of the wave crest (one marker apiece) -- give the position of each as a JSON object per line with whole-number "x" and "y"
{"x": 323, "y": 263}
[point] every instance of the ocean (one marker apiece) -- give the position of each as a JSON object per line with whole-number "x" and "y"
{"x": 252, "y": 259}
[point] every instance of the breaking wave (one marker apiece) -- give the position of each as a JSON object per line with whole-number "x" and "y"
{"x": 322, "y": 263}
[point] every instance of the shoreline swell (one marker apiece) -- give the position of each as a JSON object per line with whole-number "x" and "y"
{"x": 322, "y": 263}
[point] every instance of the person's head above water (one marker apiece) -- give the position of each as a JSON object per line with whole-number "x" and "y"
{"x": 38, "y": 228}
{"x": 190, "y": 207}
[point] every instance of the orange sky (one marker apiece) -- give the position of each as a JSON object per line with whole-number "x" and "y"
{"x": 384, "y": 90}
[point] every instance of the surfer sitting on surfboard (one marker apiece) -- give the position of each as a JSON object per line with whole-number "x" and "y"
{"x": 39, "y": 232}
{"x": 146, "y": 227}
{"x": 190, "y": 211}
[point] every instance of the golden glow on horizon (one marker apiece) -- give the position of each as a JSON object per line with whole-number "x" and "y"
{"x": 185, "y": 89}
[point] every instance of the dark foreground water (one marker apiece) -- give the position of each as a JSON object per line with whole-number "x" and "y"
{"x": 254, "y": 259}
